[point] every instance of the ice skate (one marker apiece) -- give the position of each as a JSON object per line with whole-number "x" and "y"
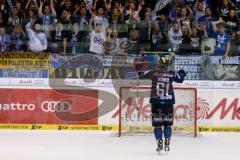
{"x": 159, "y": 145}
{"x": 167, "y": 145}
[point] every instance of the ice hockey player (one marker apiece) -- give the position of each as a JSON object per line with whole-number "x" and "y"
{"x": 162, "y": 98}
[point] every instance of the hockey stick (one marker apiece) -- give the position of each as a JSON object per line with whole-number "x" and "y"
{"x": 137, "y": 99}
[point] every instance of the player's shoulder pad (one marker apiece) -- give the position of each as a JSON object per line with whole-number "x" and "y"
{"x": 171, "y": 72}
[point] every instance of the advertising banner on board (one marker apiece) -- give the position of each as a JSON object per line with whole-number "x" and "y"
{"x": 48, "y": 106}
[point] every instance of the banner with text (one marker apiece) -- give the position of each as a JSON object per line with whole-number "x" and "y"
{"x": 122, "y": 66}
{"x": 24, "y": 64}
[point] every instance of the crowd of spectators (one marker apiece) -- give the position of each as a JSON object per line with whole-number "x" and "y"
{"x": 121, "y": 26}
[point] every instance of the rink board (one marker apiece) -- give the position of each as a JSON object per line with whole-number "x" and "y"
{"x": 218, "y": 103}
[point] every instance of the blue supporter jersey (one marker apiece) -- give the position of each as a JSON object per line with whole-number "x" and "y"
{"x": 162, "y": 91}
{"x": 221, "y": 43}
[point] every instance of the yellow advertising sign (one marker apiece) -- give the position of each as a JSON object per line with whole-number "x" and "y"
{"x": 12, "y": 60}
{"x": 56, "y": 127}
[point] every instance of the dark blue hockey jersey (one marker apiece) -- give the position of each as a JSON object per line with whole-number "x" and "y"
{"x": 162, "y": 91}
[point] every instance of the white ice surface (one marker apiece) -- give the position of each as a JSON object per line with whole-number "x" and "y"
{"x": 81, "y": 145}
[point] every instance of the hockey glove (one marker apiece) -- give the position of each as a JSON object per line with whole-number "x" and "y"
{"x": 182, "y": 72}
{"x": 138, "y": 67}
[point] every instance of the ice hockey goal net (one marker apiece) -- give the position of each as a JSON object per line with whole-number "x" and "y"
{"x": 135, "y": 111}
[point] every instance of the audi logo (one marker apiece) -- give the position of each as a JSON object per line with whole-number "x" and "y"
{"x": 56, "y": 106}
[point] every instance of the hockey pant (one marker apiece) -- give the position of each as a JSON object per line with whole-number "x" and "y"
{"x": 162, "y": 115}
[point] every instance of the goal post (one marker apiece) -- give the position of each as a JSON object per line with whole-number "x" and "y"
{"x": 135, "y": 111}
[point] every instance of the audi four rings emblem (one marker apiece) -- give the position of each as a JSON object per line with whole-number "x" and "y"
{"x": 56, "y": 106}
